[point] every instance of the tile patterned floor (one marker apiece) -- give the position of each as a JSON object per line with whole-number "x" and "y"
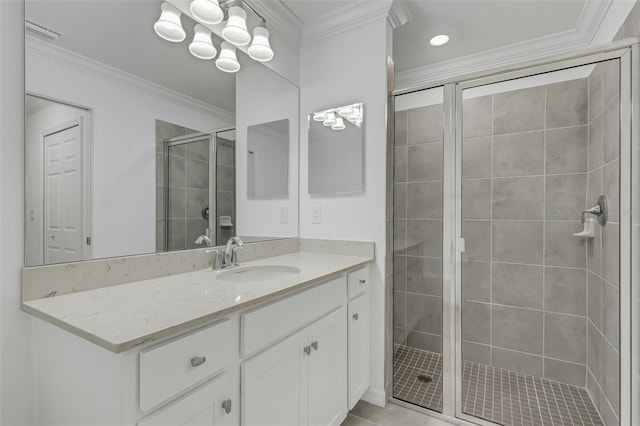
{"x": 500, "y": 396}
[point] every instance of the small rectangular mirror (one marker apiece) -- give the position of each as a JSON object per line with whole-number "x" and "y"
{"x": 336, "y": 161}
{"x": 268, "y": 159}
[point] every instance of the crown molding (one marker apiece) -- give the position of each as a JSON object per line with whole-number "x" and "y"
{"x": 589, "y": 22}
{"x": 53, "y": 53}
{"x": 346, "y": 18}
{"x": 399, "y": 14}
{"x": 280, "y": 18}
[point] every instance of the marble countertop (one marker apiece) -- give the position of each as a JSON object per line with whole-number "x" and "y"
{"x": 125, "y": 316}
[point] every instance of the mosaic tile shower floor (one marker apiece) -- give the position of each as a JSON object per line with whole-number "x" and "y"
{"x": 500, "y": 396}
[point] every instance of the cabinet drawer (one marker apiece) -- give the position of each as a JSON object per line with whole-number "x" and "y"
{"x": 267, "y": 324}
{"x": 172, "y": 367}
{"x": 197, "y": 408}
{"x": 358, "y": 282}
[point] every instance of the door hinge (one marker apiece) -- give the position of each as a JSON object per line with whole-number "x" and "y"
{"x": 88, "y": 241}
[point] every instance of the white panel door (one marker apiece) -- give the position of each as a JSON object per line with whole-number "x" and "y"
{"x": 327, "y": 366}
{"x": 273, "y": 385}
{"x": 358, "y": 319}
{"x": 63, "y": 236}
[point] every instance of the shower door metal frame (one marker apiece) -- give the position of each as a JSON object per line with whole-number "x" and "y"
{"x": 628, "y": 52}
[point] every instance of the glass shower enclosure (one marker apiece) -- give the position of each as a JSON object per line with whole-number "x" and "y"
{"x": 512, "y": 272}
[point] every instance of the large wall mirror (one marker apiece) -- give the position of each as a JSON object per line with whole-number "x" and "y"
{"x": 336, "y": 150}
{"x": 133, "y": 145}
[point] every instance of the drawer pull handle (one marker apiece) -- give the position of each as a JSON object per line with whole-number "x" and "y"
{"x": 226, "y": 405}
{"x": 355, "y": 316}
{"x": 198, "y": 360}
{"x": 314, "y": 345}
{"x": 363, "y": 281}
{"x": 307, "y": 350}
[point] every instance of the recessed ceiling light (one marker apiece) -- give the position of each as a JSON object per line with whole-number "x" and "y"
{"x": 439, "y": 40}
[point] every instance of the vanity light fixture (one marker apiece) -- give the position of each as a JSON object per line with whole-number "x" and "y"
{"x": 331, "y": 119}
{"x": 320, "y": 116}
{"x": 207, "y": 11}
{"x": 227, "y": 61}
{"x": 339, "y": 124}
{"x": 169, "y": 26}
{"x": 235, "y": 33}
{"x": 202, "y": 47}
{"x": 345, "y": 111}
{"x": 439, "y": 40}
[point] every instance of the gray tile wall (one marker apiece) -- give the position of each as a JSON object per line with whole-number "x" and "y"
{"x": 525, "y": 169}
{"x": 226, "y": 188}
{"x": 603, "y": 251}
{"x": 417, "y": 262}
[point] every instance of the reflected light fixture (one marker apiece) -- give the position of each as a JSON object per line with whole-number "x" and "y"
{"x": 168, "y": 25}
{"x": 339, "y": 124}
{"x": 235, "y": 32}
{"x": 260, "y": 49}
{"x": 320, "y": 116}
{"x": 227, "y": 61}
{"x": 206, "y": 11}
{"x": 345, "y": 111}
{"x": 202, "y": 47}
{"x": 331, "y": 119}
{"x": 439, "y": 40}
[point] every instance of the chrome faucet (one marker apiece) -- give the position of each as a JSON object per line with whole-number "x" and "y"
{"x": 204, "y": 239}
{"x": 231, "y": 252}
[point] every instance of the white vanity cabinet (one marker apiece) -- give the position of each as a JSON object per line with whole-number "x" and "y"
{"x": 358, "y": 330}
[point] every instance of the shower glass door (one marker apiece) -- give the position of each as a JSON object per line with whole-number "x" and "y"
{"x": 540, "y": 297}
{"x": 418, "y": 254}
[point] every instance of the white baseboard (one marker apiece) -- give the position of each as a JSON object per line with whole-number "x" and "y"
{"x": 375, "y": 397}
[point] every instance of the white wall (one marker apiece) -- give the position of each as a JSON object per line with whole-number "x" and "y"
{"x": 37, "y": 124}
{"x": 263, "y": 96}
{"x": 358, "y": 216}
{"x": 123, "y": 146}
{"x": 15, "y": 375}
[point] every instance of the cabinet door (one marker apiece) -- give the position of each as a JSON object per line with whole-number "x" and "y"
{"x": 327, "y": 370}
{"x": 227, "y": 399}
{"x": 358, "y": 319}
{"x": 271, "y": 386}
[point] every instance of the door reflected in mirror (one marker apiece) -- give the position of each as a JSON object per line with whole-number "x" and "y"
{"x": 268, "y": 159}
{"x": 336, "y": 142}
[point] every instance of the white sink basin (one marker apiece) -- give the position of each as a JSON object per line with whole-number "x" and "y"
{"x": 258, "y": 273}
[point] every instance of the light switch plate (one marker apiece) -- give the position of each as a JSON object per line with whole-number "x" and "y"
{"x": 316, "y": 214}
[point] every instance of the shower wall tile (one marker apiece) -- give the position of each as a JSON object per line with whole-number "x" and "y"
{"x": 400, "y": 128}
{"x": 476, "y": 199}
{"x": 197, "y": 174}
{"x": 565, "y": 290}
{"x": 596, "y": 142}
{"x": 424, "y": 200}
{"x": 518, "y": 154}
{"x": 594, "y": 187}
{"x": 596, "y": 92}
{"x": 517, "y": 241}
{"x": 476, "y": 158}
{"x": 567, "y": 150}
{"x": 517, "y": 361}
{"x": 518, "y": 111}
{"x": 424, "y": 162}
{"x": 611, "y": 314}
{"x": 565, "y": 372}
{"x": 608, "y": 414}
{"x": 565, "y": 196}
{"x": 226, "y": 154}
{"x": 225, "y": 203}
{"x": 425, "y": 341}
{"x": 225, "y": 178}
{"x": 611, "y": 131}
{"x": 197, "y": 151}
{"x": 425, "y": 124}
{"x": 517, "y": 329}
{"x": 476, "y": 283}
{"x": 400, "y": 309}
{"x": 476, "y": 322}
{"x": 561, "y": 248}
{"x": 400, "y": 273}
{"x": 177, "y": 205}
{"x": 400, "y": 167}
{"x": 424, "y": 275}
{"x": 195, "y": 228}
{"x": 565, "y": 337}
{"x": 177, "y": 234}
{"x": 400, "y": 243}
{"x": 177, "y": 175}
{"x": 611, "y": 253}
{"x": 424, "y": 238}
{"x": 594, "y": 352}
{"x": 424, "y": 313}
{"x": 567, "y": 104}
{"x": 477, "y": 236}
{"x": 477, "y": 117}
{"x": 476, "y": 352}
{"x": 611, "y": 188}
{"x": 594, "y": 295}
{"x": 518, "y": 198}
{"x": 517, "y": 285}
{"x": 611, "y": 375}
{"x": 400, "y": 200}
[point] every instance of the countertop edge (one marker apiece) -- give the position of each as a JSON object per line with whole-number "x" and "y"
{"x": 186, "y": 325}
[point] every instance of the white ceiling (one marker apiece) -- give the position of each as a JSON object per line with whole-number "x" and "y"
{"x": 476, "y": 26}
{"x": 120, "y": 34}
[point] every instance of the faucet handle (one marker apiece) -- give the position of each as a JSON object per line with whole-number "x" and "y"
{"x": 217, "y": 258}
{"x": 234, "y": 255}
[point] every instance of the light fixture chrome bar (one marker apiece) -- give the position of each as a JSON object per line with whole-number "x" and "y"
{"x": 255, "y": 12}
{"x": 41, "y": 31}
{"x": 226, "y": 4}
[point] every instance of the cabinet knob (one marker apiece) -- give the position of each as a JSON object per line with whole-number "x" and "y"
{"x": 355, "y": 316}
{"x": 314, "y": 345}
{"x": 362, "y": 282}
{"x": 226, "y": 406}
{"x": 307, "y": 350}
{"x": 198, "y": 360}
